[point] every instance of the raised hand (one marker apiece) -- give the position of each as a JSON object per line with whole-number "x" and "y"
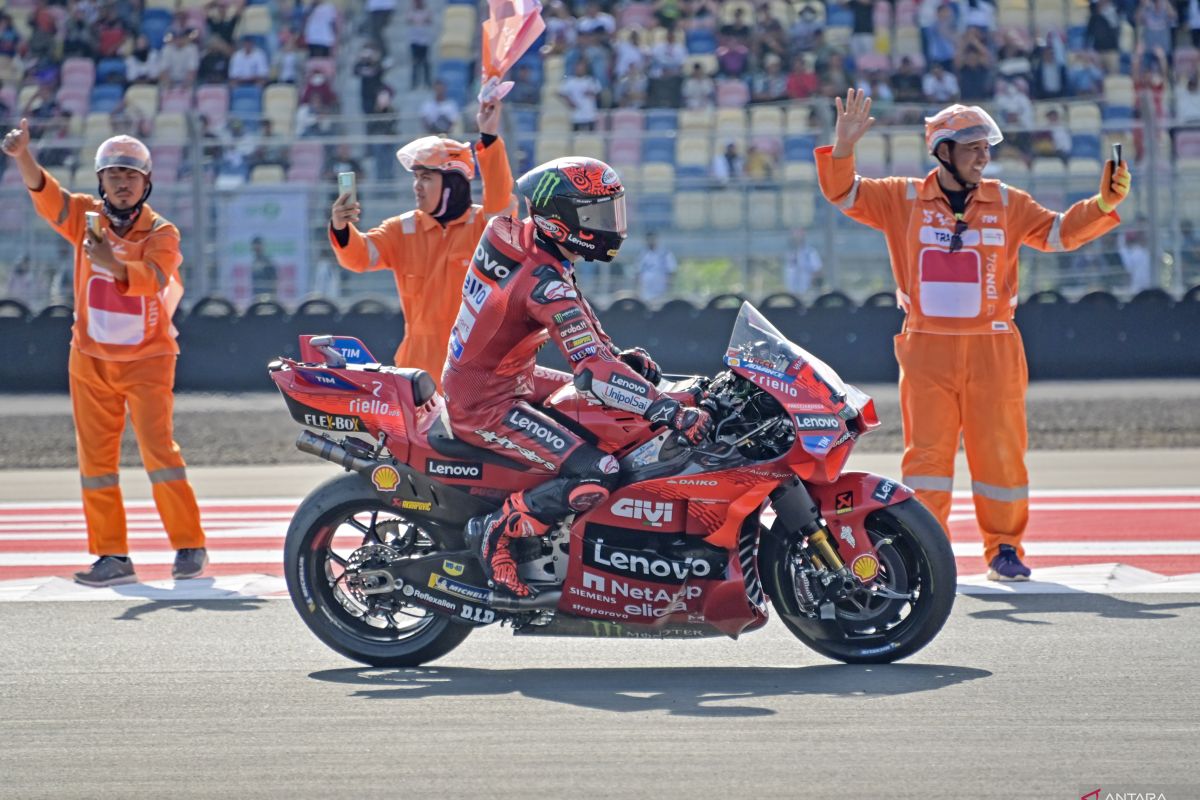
{"x": 1114, "y": 185}
{"x": 853, "y": 121}
{"x": 343, "y": 212}
{"x": 16, "y": 141}
{"x": 488, "y": 118}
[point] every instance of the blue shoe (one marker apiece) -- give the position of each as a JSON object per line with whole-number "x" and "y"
{"x": 1007, "y": 566}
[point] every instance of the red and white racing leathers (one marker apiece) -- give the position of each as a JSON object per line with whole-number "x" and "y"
{"x": 517, "y": 296}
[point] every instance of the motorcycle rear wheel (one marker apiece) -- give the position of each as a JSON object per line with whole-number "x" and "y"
{"x": 869, "y": 629}
{"x": 321, "y": 544}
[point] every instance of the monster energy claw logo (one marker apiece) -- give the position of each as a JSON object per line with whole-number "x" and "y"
{"x": 545, "y": 187}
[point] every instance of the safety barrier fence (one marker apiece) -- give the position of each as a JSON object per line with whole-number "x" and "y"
{"x": 224, "y": 349}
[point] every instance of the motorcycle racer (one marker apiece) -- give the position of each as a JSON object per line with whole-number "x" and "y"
{"x": 519, "y": 293}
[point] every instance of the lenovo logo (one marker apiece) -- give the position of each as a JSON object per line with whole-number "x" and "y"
{"x": 463, "y": 470}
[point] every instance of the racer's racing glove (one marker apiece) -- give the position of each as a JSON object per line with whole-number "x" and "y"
{"x": 641, "y": 363}
{"x": 693, "y": 423}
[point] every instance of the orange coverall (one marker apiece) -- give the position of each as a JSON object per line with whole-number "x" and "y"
{"x": 962, "y": 362}
{"x": 430, "y": 262}
{"x": 123, "y": 353}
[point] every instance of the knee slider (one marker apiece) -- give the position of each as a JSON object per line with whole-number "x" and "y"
{"x": 595, "y": 483}
{"x": 586, "y": 496}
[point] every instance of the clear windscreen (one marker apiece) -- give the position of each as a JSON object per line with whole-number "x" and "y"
{"x": 757, "y": 345}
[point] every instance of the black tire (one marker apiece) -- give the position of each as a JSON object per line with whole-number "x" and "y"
{"x": 310, "y": 559}
{"x": 882, "y": 631}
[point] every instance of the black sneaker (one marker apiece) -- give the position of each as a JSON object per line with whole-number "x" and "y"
{"x": 189, "y": 563}
{"x": 107, "y": 571}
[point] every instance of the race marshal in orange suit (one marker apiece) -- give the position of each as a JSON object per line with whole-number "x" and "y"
{"x": 430, "y": 247}
{"x": 123, "y": 348}
{"x": 954, "y": 239}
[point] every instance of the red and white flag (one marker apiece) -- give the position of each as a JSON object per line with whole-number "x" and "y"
{"x": 509, "y": 31}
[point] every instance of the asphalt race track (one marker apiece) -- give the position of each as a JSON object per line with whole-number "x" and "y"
{"x": 1084, "y": 680}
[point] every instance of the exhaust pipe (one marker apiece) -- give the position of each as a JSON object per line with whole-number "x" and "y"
{"x": 544, "y": 600}
{"x": 309, "y": 442}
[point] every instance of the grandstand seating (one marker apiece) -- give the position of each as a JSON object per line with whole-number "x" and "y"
{"x": 105, "y": 97}
{"x": 304, "y": 161}
{"x": 213, "y": 102}
{"x": 663, "y": 155}
{"x": 144, "y": 99}
{"x": 267, "y": 173}
{"x": 155, "y": 22}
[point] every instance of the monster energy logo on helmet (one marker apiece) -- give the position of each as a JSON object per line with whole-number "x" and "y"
{"x": 545, "y": 187}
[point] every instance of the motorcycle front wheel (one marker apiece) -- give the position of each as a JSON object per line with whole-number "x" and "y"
{"x": 870, "y": 627}
{"x": 339, "y": 528}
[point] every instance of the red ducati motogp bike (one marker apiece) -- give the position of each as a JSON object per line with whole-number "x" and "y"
{"x": 696, "y": 541}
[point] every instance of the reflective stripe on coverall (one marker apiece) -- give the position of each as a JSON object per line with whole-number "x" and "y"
{"x": 962, "y": 363}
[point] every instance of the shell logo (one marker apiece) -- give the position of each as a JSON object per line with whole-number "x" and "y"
{"x": 385, "y": 478}
{"x": 865, "y": 567}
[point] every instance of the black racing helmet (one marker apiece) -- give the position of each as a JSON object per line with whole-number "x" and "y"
{"x": 579, "y": 203}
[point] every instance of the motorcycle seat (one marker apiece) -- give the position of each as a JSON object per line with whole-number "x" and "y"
{"x": 442, "y": 441}
{"x": 423, "y": 387}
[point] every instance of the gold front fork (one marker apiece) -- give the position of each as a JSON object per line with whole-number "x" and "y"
{"x": 823, "y": 545}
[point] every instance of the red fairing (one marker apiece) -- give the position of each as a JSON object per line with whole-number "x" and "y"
{"x": 846, "y": 503}
{"x": 350, "y": 400}
{"x": 342, "y": 401}
{"x": 824, "y": 440}
{"x": 616, "y": 574}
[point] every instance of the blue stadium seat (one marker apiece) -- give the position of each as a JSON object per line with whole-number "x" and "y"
{"x": 110, "y": 70}
{"x": 1108, "y": 113}
{"x": 245, "y": 100}
{"x": 105, "y": 97}
{"x": 656, "y": 211}
{"x": 838, "y": 16}
{"x": 799, "y": 148}
{"x": 526, "y": 120}
{"x": 1076, "y": 38}
{"x": 661, "y": 119}
{"x": 537, "y": 69}
{"x": 155, "y": 22}
{"x": 690, "y": 172}
{"x": 262, "y": 42}
{"x": 701, "y": 41}
{"x": 1085, "y": 145}
{"x": 457, "y": 77}
{"x": 526, "y": 149}
{"x": 245, "y": 103}
{"x": 658, "y": 149}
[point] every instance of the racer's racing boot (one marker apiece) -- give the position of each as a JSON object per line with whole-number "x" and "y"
{"x": 495, "y": 533}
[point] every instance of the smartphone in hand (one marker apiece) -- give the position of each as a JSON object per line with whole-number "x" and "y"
{"x": 1116, "y": 154}
{"x": 348, "y": 186}
{"x": 93, "y": 223}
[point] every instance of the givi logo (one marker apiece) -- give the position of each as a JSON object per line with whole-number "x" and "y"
{"x": 653, "y": 513}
